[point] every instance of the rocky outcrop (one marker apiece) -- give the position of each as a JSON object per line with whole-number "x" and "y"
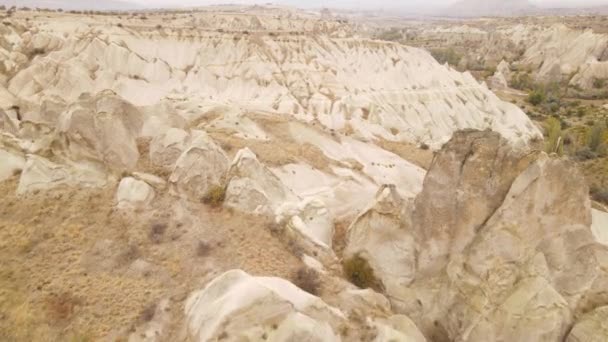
{"x": 42, "y": 174}
{"x": 592, "y": 327}
{"x": 500, "y": 79}
{"x": 103, "y": 127}
{"x": 600, "y": 226}
{"x": 241, "y": 307}
{"x": 10, "y": 164}
{"x": 310, "y": 218}
{"x": 166, "y": 148}
{"x": 253, "y": 188}
{"x": 200, "y": 167}
{"x": 238, "y": 306}
{"x": 499, "y": 245}
{"x": 6, "y": 123}
{"x": 375, "y": 89}
{"x": 380, "y": 235}
{"x": 133, "y": 193}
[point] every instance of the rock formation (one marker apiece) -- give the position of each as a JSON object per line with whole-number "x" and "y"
{"x": 102, "y": 127}
{"x": 253, "y": 188}
{"x": 200, "y": 167}
{"x": 238, "y": 306}
{"x": 402, "y": 97}
{"x": 197, "y": 160}
{"x": 591, "y": 327}
{"x": 497, "y": 246}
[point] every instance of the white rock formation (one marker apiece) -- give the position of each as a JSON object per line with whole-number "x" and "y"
{"x": 377, "y": 88}
{"x": 311, "y": 218}
{"x": 166, "y": 148}
{"x": 599, "y": 227}
{"x": 102, "y": 127}
{"x": 397, "y": 328}
{"x": 41, "y": 174}
{"x": 498, "y": 247}
{"x": 241, "y": 307}
{"x": 133, "y": 193}
{"x": 378, "y": 235}
{"x": 500, "y": 79}
{"x": 6, "y": 123}
{"x": 10, "y": 163}
{"x": 561, "y": 51}
{"x": 253, "y": 188}
{"x": 592, "y": 327}
{"x": 200, "y": 167}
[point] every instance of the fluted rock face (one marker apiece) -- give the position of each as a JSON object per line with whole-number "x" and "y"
{"x": 200, "y": 167}
{"x": 239, "y": 307}
{"x": 374, "y": 88}
{"x": 592, "y": 327}
{"x": 102, "y": 127}
{"x": 243, "y": 307}
{"x": 500, "y": 245}
{"x": 253, "y": 188}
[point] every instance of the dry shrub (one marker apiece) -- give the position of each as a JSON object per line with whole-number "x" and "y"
{"x": 599, "y": 195}
{"x": 157, "y": 230}
{"x": 147, "y": 314}
{"x": 308, "y": 280}
{"x": 215, "y": 196}
{"x": 130, "y": 254}
{"x": 61, "y": 307}
{"x": 359, "y": 272}
{"x": 203, "y": 249}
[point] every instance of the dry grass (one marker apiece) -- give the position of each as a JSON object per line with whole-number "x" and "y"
{"x": 54, "y": 287}
{"x": 410, "y": 152}
{"x": 215, "y": 196}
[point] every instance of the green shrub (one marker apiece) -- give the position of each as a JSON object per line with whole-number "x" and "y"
{"x": 215, "y": 196}
{"x": 522, "y": 82}
{"x": 555, "y": 139}
{"x": 392, "y": 35}
{"x": 536, "y": 97}
{"x": 599, "y": 83}
{"x": 359, "y": 272}
{"x": 446, "y": 56}
{"x": 596, "y": 137}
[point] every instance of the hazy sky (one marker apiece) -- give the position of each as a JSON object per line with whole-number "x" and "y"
{"x": 354, "y": 4}
{"x": 361, "y": 3}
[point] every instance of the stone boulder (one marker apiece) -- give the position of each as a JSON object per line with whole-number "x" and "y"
{"x": 311, "y": 218}
{"x": 592, "y": 327}
{"x": 380, "y": 235}
{"x": 497, "y": 246}
{"x": 166, "y": 148}
{"x": 201, "y": 166}
{"x": 500, "y": 79}
{"x": 103, "y": 127}
{"x": 6, "y": 124}
{"x": 240, "y": 307}
{"x": 42, "y": 174}
{"x": 253, "y": 188}
{"x": 600, "y": 226}
{"x": 133, "y": 193}
{"x": 10, "y": 164}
